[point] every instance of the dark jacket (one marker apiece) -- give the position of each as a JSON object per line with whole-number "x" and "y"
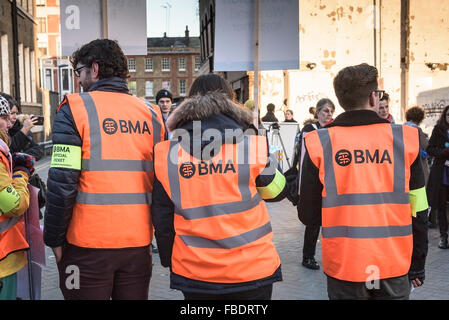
{"x": 309, "y": 206}
{"x": 162, "y": 208}
{"x": 269, "y": 117}
{"x": 437, "y": 142}
{"x": 62, "y": 183}
{"x": 21, "y": 142}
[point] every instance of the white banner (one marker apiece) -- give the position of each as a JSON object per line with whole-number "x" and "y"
{"x": 278, "y": 35}
{"x": 81, "y": 22}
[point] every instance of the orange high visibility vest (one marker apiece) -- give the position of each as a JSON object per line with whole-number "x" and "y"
{"x": 366, "y": 214}
{"x": 12, "y": 230}
{"x": 223, "y": 230}
{"x": 112, "y": 207}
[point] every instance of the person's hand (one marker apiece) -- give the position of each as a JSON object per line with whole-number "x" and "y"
{"x": 58, "y": 253}
{"x": 24, "y": 162}
{"x": 28, "y": 124}
{"x": 417, "y": 277}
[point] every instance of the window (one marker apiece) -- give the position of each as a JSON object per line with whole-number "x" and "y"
{"x": 40, "y": 3}
{"x": 166, "y": 64}
{"x": 166, "y": 85}
{"x": 132, "y": 87}
{"x": 182, "y": 64}
{"x": 41, "y": 25}
{"x": 148, "y": 64}
{"x": 131, "y": 64}
{"x": 148, "y": 88}
{"x": 182, "y": 87}
{"x": 47, "y": 82}
{"x": 197, "y": 63}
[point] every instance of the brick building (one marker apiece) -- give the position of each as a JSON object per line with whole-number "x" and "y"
{"x": 172, "y": 63}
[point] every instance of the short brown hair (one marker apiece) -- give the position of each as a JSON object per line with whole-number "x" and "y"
{"x": 415, "y": 114}
{"x": 107, "y": 53}
{"x": 211, "y": 83}
{"x": 353, "y": 85}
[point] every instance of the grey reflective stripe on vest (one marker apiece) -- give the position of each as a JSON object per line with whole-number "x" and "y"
{"x": 228, "y": 243}
{"x": 246, "y": 203}
{"x": 113, "y": 198}
{"x": 366, "y": 232}
{"x": 96, "y": 163}
{"x": 6, "y": 224}
{"x": 333, "y": 199}
{"x": 156, "y": 124}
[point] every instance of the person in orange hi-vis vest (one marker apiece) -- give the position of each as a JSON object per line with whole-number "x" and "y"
{"x": 98, "y": 218}
{"x": 211, "y": 223}
{"x": 14, "y": 201}
{"x": 362, "y": 180}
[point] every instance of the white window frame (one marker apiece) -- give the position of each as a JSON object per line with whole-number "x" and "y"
{"x": 146, "y": 88}
{"x": 182, "y": 93}
{"x": 182, "y": 67}
{"x": 146, "y": 64}
{"x": 166, "y": 87}
{"x": 134, "y": 93}
{"x": 165, "y": 61}
{"x": 132, "y": 63}
{"x": 197, "y": 66}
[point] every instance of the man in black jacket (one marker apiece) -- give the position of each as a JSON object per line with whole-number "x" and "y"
{"x": 350, "y": 216}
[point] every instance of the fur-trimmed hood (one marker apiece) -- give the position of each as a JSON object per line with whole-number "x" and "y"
{"x": 200, "y": 107}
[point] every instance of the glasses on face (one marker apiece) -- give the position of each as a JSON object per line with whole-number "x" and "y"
{"x": 77, "y": 71}
{"x": 380, "y": 93}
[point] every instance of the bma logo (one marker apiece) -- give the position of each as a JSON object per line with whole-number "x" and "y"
{"x": 344, "y": 157}
{"x": 109, "y": 126}
{"x": 187, "y": 170}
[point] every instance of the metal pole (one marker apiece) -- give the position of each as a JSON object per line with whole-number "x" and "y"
{"x": 256, "y": 63}
{"x": 405, "y": 48}
{"x": 104, "y": 18}
{"x": 15, "y": 39}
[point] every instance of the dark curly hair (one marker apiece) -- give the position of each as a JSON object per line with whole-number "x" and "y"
{"x": 107, "y": 53}
{"x": 353, "y": 85}
{"x": 415, "y": 114}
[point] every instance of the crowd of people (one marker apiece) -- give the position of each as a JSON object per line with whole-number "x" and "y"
{"x": 123, "y": 168}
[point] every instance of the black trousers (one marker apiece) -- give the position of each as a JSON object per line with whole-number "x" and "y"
{"x": 442, "y": 216}
{"x": 397, "y": 288}
{"x": 103, "y": 274}
{"x": 310, "y": 238}
{"x": 263, "y": 293}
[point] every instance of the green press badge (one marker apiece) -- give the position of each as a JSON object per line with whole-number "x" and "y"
{"x": 66, "y": 156}
{"x": 9, "y": 199}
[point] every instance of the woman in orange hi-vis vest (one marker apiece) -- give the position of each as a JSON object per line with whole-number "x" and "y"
{"x": 362, "y": 180}
{"x": 211, "y": 179}
{"x": 14, "y": 200}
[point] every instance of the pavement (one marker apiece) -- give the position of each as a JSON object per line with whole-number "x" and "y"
{"x": 298, "y": 282}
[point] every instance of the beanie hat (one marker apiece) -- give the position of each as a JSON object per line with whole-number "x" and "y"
{"x": 249, "y": 104}
{"x": 163, "y": 94}
{"x": 4, "y": 107}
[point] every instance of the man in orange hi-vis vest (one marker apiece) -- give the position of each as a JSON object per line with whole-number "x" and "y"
{"x": 362, "y": 180}
{"x": 97, "y": 218}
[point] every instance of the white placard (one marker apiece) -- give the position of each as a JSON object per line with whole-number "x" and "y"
{"x": 234, "y": 34}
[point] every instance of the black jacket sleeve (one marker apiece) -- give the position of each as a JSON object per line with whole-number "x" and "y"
{"x": 21, "y": 142}
{"x": 309, "y": 205}
{"x": 419, "y": 223}
{"x": 62, "y": 183}
{"x": 162, "y": 215}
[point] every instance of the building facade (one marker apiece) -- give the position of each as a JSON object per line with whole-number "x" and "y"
{"x": 172, "y": 63}
{"x": 18, "y": 57}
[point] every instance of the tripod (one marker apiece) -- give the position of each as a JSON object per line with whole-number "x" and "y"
{"x": 275, "y": 139}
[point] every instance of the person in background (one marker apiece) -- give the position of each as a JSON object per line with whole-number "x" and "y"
{"x": 438, "y": 183}
{"x": 384, "y": 108}
{"x": 20, "y": 132}
{"x": 212, "y": 228}
{"x": 289, "y": 116}
{"x": 269, "y": 116}
{"x": 14, "y": 201}
{"x": 325, "y": 109}
{"x": 164, "y": 99}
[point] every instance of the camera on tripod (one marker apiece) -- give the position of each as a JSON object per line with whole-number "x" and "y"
{"x": 274, "y": 126}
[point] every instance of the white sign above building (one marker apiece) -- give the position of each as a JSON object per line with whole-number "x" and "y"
{"x": 82, "y": 22}
{"x": 278, "y": 35}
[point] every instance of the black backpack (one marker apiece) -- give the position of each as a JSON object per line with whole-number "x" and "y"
{"x": 37, "y": 182}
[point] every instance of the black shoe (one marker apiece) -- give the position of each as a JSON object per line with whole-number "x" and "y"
{"x": 310, "y": 263}
{"x": 154, "y": 249}
{"x": 443, "y": 243}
